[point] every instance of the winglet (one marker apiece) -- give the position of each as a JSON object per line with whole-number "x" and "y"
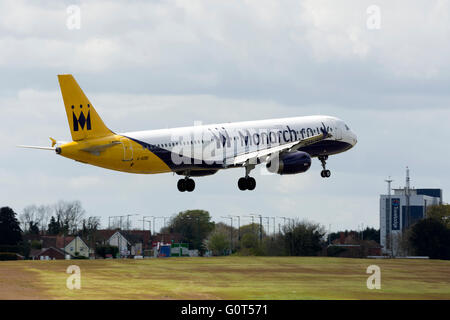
{"x": 53, "y": 141}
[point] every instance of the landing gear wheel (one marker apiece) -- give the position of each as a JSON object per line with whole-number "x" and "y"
{"x": 181, "y": 185}
{"x": 251, "y": 183}
{"x": 190, "y": 185}
{"x": 186, "y": 184}
{"x": 242, "y": 184}
{"x": 246, "y": 183}
{"x": 325, "y": 173}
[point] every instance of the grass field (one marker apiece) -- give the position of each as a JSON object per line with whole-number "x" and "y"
{"x": 226, "y": 278}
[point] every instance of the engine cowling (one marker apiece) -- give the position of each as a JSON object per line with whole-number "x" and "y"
{"x": 289, "y": 163}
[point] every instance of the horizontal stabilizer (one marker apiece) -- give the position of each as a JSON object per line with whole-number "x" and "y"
{"x": 37, "y": 147}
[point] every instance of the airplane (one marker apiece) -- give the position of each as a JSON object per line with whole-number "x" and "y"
{"x": 285, "y": 145}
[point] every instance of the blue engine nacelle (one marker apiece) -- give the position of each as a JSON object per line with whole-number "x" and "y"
{"x": 289, "y": 163}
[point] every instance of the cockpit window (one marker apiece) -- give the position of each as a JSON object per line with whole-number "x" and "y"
{"x": 346, "y": 127}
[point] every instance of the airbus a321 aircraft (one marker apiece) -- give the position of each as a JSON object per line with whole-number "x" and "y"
{"x": 286, "y": 145}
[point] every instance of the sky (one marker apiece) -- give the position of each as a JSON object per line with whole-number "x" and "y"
{"x": 384, "y": 70}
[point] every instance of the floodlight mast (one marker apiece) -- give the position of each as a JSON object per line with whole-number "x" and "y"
{"x": 231, "y": 232}
{"x": 109, "y": 220}
{"x": 120, "y": 236}
{"x": 144, "y": 220}
{"x": 239, "y": 226}
{"x": 128, "y": 220}
{"x": 253, "y": 221}
{"x": 164, "y": 219}
{"x": 284, "y": 222}
{"x": 268, "y": 225}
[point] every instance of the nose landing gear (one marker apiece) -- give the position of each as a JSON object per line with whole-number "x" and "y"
{"x": 324, "y": 173}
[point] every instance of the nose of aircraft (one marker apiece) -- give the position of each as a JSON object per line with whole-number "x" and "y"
{"x": 353, "y": 138}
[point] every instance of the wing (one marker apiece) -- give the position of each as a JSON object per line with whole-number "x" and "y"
{"x": 259, "y": 156}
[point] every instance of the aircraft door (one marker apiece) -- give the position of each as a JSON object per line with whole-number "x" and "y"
{"x": 127, "y": 149}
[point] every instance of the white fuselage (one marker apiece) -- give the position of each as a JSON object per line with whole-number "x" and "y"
{"x": 208, "y": 146}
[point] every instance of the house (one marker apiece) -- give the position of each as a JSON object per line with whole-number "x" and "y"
{"x": 131, "y": 242}
{"x": 77, "y": 247}
{"x": 114, "y": 238}
{"x": 47, "y": 254}
{"x": 59, "y": 242}
{"x": 72, "y": 245}
{"x": 118, "y": 240}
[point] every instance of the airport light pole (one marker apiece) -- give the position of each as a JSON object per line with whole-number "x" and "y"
{"x": 93, "y": 236}
{"x": 274, "y": 232}
{"x": 144, "y": 220}
{"x": 154, "y": 218}
{"x": 120, "y": 236}
{"x": 284, "y": 222}
{"x": 231, "y": 233}
{"x": 260, "y": 228}
{"x": 153, "y": 232}
{"x": 268, "y": 225}
{"x": 253, "y": 221}
{"x": 239, "y": 226}
{"x": 109, "y": 220}
{"x": 128, "y": 220}
{"x": 198, "y": 228}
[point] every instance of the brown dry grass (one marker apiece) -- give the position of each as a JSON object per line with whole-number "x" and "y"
{"x": 226, "y": 278}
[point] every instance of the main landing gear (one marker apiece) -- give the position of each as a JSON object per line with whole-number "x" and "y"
{"x": 324, "y": 173}
{"x": 186, "y": 184}
{"x": 247, "y": 182}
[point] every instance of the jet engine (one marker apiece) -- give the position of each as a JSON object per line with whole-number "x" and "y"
{"x": 289, "y": 163}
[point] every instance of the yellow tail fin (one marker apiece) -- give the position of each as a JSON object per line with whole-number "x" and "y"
{"x": 84, "y": 121}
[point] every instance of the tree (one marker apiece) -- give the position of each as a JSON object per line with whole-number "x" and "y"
{"x": 33, "y": 228}
{"x": 252, "y": 228}
{"x": 371, "y": 234}
{"x": 36, "y": 216}
{"x": 90, "y": 225}
{"x": 367, "y": 234}
{"x": 194, "y": 226}
{"x": 69, "y": 214}
{"x": 218, "y": 243}
{"x": 441, "y": 213}
{"x": 53, "y": 227}
{"x": 249, "y": 241}
{"x": 430, "y": 237}
{"x": 10, "y": 232}
{"x": 303, "y": 238}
